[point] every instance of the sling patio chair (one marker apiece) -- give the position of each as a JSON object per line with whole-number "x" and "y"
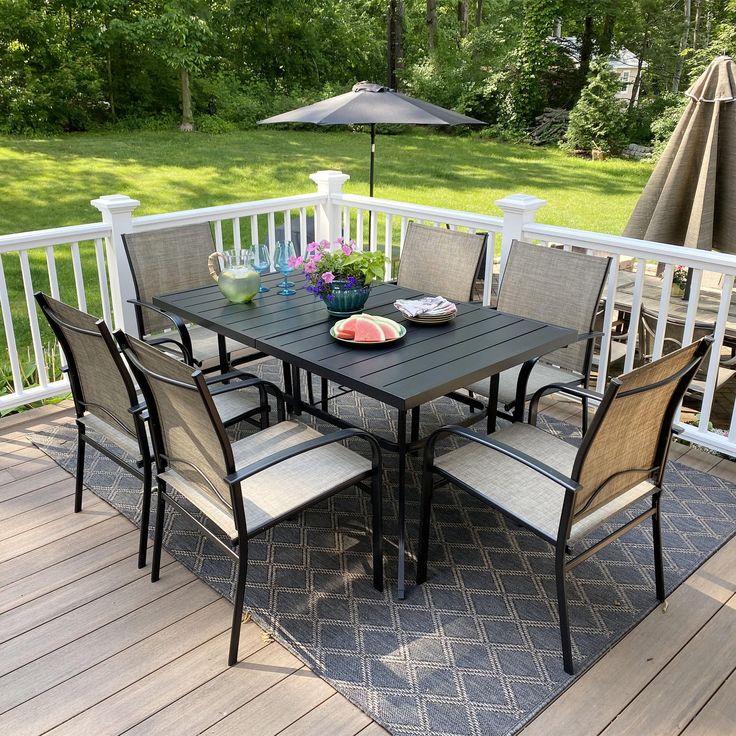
{"x": 243, "y": 487}
{"x": 109, "y": 407}
{"x": 561, "y": 493}
{"x": 673, "y": 334}
{"x": 558, "y": 287}
{"x": 170, "y": 260}
{"x": 439, "y": 261}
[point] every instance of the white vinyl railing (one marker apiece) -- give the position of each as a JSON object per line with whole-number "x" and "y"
{"x": 91, "y": 263}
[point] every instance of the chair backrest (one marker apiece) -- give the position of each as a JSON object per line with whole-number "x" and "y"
{"x": 100, "y": 381}
{"x": 164, "y": 261}
{"x": 673, "y": 335}
{"x": 556, "y": 286}
{"x": 439, "y": 261}
{"x": 628, "y": 438}
{"x": 188, "y": 435}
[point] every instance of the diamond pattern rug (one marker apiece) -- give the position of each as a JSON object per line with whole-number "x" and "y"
{"x": 474, "y": 651}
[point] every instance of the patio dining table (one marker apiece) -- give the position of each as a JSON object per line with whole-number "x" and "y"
{"x": 428, "y": 363}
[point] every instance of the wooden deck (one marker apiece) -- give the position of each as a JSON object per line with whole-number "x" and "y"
{"x": 89, "y": 646}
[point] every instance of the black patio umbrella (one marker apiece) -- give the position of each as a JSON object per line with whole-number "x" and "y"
{"x": 371, "y": 104}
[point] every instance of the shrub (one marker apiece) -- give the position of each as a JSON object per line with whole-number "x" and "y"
{"x": 598, "y": 119}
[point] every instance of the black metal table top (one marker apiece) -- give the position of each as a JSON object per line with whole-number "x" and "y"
{"x": 427, "y": 363}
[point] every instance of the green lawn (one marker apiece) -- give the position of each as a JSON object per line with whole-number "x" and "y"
{"x": 49, "y": 182}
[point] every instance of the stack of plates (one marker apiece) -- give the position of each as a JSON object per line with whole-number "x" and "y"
{"x": 443, "y": 311}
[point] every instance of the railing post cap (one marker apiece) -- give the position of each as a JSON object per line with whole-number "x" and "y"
{"x": 115, "y": 203}
{"x": 329, "y": 177}
{"x": 520, "y": 203}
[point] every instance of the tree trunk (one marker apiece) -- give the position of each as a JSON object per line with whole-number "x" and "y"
{"x": 462, "y": 16}
{"x": 110, "y": 94}
{"x": 395, "y": 41}
{"x": 605, "y": 41}
{"x": 586, "y": 49}
{"x": 683, "y": 46}
{"x": 696, "y": 24}
{"x": 637, "y": 84}
{"x": 187, "y": 121}
{"x": 478, "y": 13}
{"x": 432, "y": 25}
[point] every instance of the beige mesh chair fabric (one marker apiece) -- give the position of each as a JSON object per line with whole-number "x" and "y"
{"x": 103, "y": 392}
{"x": 628, "y": 437}
{"x": 164, "y": 261}
{"x": 442, "y": 262}
{"x": 673, "y": 336}
{"x": 192, "y": 448}
{"x": 555, "y": 286}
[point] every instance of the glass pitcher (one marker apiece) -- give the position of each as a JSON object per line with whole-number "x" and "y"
{"x": 237, "y": 279}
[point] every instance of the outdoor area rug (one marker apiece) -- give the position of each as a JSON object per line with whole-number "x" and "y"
{"x": 475, "y": 650}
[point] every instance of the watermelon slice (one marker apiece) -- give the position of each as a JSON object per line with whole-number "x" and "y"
{"x": 366, "y": 330}
{"x": 390, "y": 330}
{"x": 347, "y": 327}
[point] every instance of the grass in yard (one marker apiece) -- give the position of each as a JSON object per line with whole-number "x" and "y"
{"x": 49, "y": 182}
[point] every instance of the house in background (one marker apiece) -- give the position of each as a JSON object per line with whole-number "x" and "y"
{"x": 626, "y": 65}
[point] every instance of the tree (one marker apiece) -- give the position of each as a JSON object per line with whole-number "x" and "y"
{"x": 597, "y": 121}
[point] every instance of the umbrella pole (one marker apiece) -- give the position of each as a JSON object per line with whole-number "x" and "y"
{"x": 370, "y": 176}
{"x": 688, "y": 284}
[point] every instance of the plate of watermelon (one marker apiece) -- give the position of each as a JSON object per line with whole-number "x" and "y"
{"x": 367, "y": 329}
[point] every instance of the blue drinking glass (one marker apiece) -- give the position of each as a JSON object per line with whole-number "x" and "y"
{"x": 284, "y": 252}
{"x": 261, "y": 262}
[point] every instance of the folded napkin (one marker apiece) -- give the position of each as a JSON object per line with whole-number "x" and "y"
{"x": 428, "y": 306}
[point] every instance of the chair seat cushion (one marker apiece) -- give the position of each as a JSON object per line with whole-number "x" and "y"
{"x": 283, "y": 489}
{"x": 234, "y": 405}
{"x": 542, "y": 375}
{"x": 520, "y": 491}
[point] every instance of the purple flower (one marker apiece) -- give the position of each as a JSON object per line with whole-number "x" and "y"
{"x": 330, "y": 297}
{"x": 346, "y": 249}
{"x": 328, "y": 277}
{"x": 352, "y": 281}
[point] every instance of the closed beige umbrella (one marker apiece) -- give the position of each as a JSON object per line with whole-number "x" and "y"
{"x": 690, "y": 198}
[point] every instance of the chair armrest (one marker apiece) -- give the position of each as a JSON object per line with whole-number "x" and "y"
{"x": 186, "y": 343}
{"x": 290, "y": 452}
{"x": 532, "y": 463}
{"x": 562, "y": 388}
{"x": 589, "y": 335}
{"x": 239, "y": 380}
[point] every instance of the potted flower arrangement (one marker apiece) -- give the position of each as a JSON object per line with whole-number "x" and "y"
{"x": 340, "y": 275}
{"x": 679, "y": 280}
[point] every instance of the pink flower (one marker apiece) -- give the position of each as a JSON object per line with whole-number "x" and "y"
{"x": 346, "y": 249}
{"x": 317, "y": 257}
{"x": 328, "y": 277}
{"x": 295, "y": 261}
{"x": 324, "y": 243}
{"x": 310, "y": 267}
{"x": 312, "y": 247}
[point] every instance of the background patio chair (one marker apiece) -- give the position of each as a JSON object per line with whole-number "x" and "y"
{"x": 247, "y": 486}
{"x": 674, "y": 331}
{"x": 169, "y": 260}
{"x": 561, "y": 494}
{"x": 552, "y": 286}
{"x": 439, "y": 261}
{"x": 108, "y": 406}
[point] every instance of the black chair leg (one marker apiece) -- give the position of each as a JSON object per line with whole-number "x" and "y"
{"x": 424, "y": 519}
{"x": 145, "y": 513}
{"x": 585, "y": 416}
{"x": 238, "y": 603}
{"x": 562, "y": 608}
{"x": 158, "y": 533}
{"x": 377, "y": 508}
{"x": 657, "y": 539}
{"x": 310, "y": 389}
{"x": 79, "y": 483}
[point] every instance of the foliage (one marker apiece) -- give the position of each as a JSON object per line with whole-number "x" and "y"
{"x": 29, "y": 373}
{"x": 326, "y": 263}
{"x": 597, "y": 121}
{"x": 679, "y": 276}
{"x": 665, "y": 123}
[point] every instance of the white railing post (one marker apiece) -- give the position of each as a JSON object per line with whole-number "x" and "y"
{"x": 328, "y": 225}
{"x": 117, "y": 212}
{"x": 518, "y": 210}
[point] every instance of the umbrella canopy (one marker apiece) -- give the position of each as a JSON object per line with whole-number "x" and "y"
{"x": 370, "y": 104}
{"x": 690, "y": 198}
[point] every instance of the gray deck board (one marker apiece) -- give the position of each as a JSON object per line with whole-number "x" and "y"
{"x": 90, "y": 646}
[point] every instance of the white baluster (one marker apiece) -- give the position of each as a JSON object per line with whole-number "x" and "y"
{"x": 102, "y": 280}
{"x": 237, "y": 244}
{"x": 605, "y": 349}
{"x": 388, "y": 247}
{"x": 664, "y": 308}
{"x": 25, "y": 270}
{"x": 218, "y": 234}
{"x": 10, "y": 332}
{"x": 359, "y": 229}
{"x": 78, "y": 277}
{"x": 635, "y": 312}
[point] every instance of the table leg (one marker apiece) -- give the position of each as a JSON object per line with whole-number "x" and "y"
{"x": 415, "y": 423}
{"x": 324, "y": 393}
{"x": 222, "y": 350}
{"x": 492, "y": 405}
{"x": 296, "y": 391}
{"x": 286, "y": 370}
{"x": 401, "y": 448}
